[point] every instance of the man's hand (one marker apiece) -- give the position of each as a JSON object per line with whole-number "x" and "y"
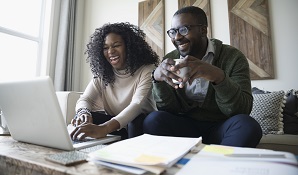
{"x": 199, "y": 69}
{"x": 164, "y": 72}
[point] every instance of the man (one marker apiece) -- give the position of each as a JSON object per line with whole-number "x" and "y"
{"x": 214, "y": 98}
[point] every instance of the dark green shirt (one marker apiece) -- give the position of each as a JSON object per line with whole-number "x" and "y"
{"x": 232, "y": 96}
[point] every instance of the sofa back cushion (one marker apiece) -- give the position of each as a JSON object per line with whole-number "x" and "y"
{"x": 290, "y": 112}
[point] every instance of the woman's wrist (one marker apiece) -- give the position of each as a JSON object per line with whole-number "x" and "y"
{"x": 152, "y": 76}
{"x": 82, "y": 111}
{"x": 111, "y": 126}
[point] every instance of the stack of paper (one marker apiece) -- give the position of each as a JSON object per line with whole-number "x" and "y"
{"x": 240, "y": 161}
{"x": 146, "y": 152}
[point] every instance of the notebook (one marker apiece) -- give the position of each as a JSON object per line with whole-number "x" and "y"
{"x": 33, "y": 115}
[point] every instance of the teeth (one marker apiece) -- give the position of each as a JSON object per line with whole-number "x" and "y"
{"x": 113, "y": 58}
{"x": 183, "y": 46}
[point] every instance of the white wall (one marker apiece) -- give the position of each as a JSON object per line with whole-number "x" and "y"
{"x": 97, "y": 13}
{"x": 283, "y": 20}
{"x": 284, "y": 27}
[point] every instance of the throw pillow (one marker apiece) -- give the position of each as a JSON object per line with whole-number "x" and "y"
{"x": 256, "y": 90}
{"x": 267, "y": 111}
{"x": 290, "y": 113}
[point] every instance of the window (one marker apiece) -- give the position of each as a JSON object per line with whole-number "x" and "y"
{"x": 21, "y": 38}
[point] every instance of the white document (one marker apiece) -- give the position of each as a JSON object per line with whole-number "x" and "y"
{"x": 148, "y": 152}
{"x": 234, "y": 167}
{"x": 240, "y": 161}
{"x": 124, "y": 168}
{"x": 220, "y": 152}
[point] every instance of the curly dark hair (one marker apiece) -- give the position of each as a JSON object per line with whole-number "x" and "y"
{"x": 138, "y": 52}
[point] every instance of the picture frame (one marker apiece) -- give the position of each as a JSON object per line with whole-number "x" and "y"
{"x": 250, "y": 33}
{"x": 151, "y": 21}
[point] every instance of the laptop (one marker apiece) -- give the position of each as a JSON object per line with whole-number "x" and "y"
{"x": 33, "y": 115}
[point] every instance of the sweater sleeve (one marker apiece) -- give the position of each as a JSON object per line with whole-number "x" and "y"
{"x": 165, "y": 97}
{"x": 233, "y": 95}
{"x": 91, "y": 98}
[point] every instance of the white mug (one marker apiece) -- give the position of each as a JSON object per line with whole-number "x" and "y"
{"x": 183, "y": 71}
{"x": 3, "y": 125}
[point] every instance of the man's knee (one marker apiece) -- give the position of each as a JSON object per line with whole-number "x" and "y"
{"x": 249, "y": 123}
{"x": 153, "y": 121}
{"x": 249, "y": 128}
{"x": 153, "y": 117}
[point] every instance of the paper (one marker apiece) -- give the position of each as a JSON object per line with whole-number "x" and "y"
{"x": 239, "y": 153}
{"x": 147, "y": 151}
{"x": 124, "y": 168}
{"x": 240, "y": 161}
{"x": 233, "y": 167}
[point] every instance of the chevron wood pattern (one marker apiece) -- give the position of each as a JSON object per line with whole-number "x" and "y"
{"x": 250, "y": 33}
{"x": 253, "y": 12}
{"x": 203, "y": 4}
{"x": 151, "y": 21}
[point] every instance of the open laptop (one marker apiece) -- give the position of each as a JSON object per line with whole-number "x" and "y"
{"x": 33, "y": 115}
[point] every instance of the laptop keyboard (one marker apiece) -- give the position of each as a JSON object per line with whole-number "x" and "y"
{"x": 91, "y": 149}
{"x": 81, "y": 141}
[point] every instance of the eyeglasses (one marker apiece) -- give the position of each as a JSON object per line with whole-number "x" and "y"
{"x": 183, "y": 30}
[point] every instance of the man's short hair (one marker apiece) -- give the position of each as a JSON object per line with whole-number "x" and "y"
{"x": 196, "y": 12}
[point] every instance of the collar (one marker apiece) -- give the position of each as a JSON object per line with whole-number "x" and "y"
{"x": 210, "y": 49}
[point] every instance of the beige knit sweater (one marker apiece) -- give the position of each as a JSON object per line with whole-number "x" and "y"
{"x": 126, "y": 99}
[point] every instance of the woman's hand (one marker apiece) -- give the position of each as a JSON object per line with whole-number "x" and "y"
{"x": 89, "y": 130}
{"x": 82, "y": 119}
{"x": 95, "y": 131}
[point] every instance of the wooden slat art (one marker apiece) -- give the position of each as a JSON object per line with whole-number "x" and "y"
{"x": 151, "y": 21}
{"x": 250, "y": 33}
{"x": 203, "y": 4}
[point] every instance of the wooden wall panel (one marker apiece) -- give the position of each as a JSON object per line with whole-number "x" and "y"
{"x": 151, "y": 21}
{"x": 250, "y": 33}
{"x": 203, "y": 4}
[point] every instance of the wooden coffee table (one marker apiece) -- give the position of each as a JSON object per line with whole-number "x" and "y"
{"x": 23, "y": 158}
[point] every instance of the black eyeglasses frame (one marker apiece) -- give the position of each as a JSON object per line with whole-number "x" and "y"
{"x": 188, "y": 27}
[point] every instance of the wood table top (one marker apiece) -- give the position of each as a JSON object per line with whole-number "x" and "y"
{"x": 23, "y": 158}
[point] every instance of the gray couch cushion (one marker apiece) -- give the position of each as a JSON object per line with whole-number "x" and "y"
{"x": 285, "y": 142}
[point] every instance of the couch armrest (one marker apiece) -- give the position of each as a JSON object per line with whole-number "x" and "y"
{"x": 67, "y": 101}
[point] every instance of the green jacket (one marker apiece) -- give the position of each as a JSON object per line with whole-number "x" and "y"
{"x": 230, "y": 97}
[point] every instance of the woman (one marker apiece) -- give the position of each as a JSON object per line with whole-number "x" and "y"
{"x": 119, "y": 96}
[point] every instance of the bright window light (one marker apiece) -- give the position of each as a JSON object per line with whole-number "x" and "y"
{"x": 22, "y": 38}
{"x": 21, "y": 15}
{"x": 18, "y": 57}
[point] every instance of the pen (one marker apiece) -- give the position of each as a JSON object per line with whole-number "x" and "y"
{"x": 257, "y": 155}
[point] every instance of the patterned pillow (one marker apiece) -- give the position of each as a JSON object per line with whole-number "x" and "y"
{"x": 267, "y": 111}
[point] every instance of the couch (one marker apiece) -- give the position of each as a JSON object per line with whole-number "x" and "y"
{"x": 67, "y": 101}
{"x": 277, "y": 113}
{"x": 279, "y": 140}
